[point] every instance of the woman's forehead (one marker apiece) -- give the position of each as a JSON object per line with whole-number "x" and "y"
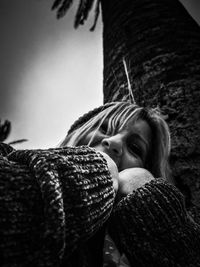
{"x": 138, "y": 124}
{"x": 140, "y": 128}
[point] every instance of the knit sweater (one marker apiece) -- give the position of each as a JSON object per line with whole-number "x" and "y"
{"x": 56, "y": 203}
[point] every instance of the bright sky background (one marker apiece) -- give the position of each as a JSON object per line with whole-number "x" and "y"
{"x": 50, "y": 74}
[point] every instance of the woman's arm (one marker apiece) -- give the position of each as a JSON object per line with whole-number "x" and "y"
{"x": 152, "y": 228}
{"x": 50, "y": 201}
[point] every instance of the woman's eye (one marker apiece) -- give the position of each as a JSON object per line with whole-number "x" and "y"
{"x": 135, "y": 149}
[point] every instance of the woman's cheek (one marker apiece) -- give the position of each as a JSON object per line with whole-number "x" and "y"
{"x": 129, "y": 161}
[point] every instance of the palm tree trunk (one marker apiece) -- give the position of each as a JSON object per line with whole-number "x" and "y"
{"x": 160, "y": 44}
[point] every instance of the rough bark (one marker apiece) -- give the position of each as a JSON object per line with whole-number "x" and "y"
{"x": 160, "y": 43}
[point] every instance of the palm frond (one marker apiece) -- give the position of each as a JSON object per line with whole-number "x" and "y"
{"x": 56, "y": 4}
{"x": 79, "y": 14}
{"x": 62, "y": 7}
{"x": 17, "y": 141}
{"x": 88, "y": 7}
{"x": 83, "y": 10}
{"x": 82, "y": 13}
{"x": 97, "y": 10}
{"x": 5, "y": 128}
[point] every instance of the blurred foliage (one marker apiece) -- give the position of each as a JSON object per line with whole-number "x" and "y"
{"x": 5, "y": 129}
{"x": 84, "y": 8}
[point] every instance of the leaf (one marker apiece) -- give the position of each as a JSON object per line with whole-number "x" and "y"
{"x": 66, "y": 4}
{"x": 56, "y": 4}
{"x": 82, "y": 13}
{"x": 97, "y": 10}
{"x": 5, "y": 129}
{"x": 17, "y": 141}
{"x": 84, "y": 8}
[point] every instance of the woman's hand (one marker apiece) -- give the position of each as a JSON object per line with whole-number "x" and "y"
{"x": 131, "y": 179}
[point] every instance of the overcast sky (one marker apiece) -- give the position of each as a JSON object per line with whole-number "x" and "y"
{"x": 50, "y": 74}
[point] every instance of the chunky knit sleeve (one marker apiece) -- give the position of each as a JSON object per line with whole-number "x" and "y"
{"x": 51, "y": 201}
{"x": 152, "y": 228}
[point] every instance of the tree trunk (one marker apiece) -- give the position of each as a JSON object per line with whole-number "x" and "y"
{"x": 160, "y": 44}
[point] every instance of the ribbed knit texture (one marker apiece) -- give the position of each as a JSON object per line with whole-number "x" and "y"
{"x": 87, "y": 116}
{"x": 152, "y": 228}
{"x": 50, "y": 202}
{"x": 54, "y": 204}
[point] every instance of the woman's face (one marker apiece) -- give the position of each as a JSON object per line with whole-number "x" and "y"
{"x": 128, "y": 148}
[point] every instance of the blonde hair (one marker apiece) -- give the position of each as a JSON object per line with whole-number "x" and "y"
{"x": 117, "y": 114}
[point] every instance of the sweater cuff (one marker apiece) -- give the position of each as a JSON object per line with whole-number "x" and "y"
{"x": 77, "y": 193}
{"x": 150, "y": 224}
{"x": 157, "y": 202}
{"x": 88, "y": 191}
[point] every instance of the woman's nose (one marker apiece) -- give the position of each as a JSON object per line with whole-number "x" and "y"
{"x": 113, "y": 144}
